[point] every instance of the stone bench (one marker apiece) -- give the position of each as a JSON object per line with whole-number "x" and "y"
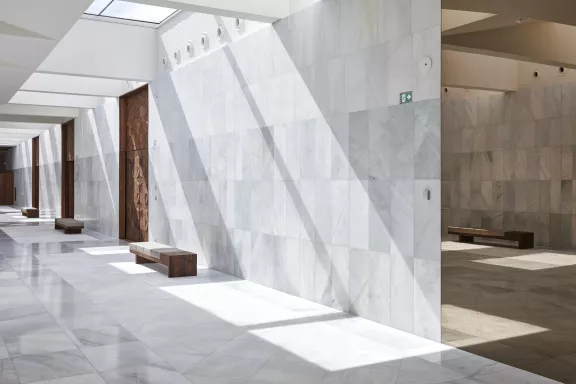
{"x": 69, "y": 225}
{"x": 180, "y": 263}
{"x": 466, "y": 235}
{"x": 30, "y": 212}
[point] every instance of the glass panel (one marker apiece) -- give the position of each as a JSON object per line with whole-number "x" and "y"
{"x": 97, "y": 7}
{"x": 138, "y": 12}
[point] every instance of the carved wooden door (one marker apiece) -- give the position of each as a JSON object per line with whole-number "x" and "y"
{"x": 137, "y": 195}
{"x": 136, "y": 173}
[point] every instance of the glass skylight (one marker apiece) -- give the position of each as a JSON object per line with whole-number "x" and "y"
{"x": 130, "y": 11}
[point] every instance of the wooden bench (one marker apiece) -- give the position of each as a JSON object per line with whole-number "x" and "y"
{"x": 466, "y": 235}
{"x": 69, "y": 225}
{"x": 30, "y": 212}
{"x": 180, "y": 263}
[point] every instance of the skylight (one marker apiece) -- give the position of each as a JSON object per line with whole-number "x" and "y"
{"x": 126, "y": 10}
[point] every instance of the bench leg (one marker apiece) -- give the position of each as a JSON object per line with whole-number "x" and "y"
{"x": 182, "y": 267}
{"x": 466, "y": 239}
{"x": 141, "y": 260}
{"x": 527, "y": 242}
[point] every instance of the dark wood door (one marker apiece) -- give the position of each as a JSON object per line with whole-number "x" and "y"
{"x": 67, "y": 194}
{"x": 137, "y": 195}
{"x": 36, "y": 172}
{"x": 134, "y": 165}
{"x": 6, "y": 188}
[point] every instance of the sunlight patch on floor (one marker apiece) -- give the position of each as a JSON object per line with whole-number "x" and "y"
{"x": 132, "y": 269}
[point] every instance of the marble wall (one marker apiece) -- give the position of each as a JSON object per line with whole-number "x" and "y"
{"x": 285, "y": 158}
{"x": 96, "y": 165}
{"x": 20, "y": 163}
{"x": 509, "y": 162}
{"x": 50, "y": 172}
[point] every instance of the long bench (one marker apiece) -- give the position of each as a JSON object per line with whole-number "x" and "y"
{"x": 69, "y": 225}
{"x": 525, "y": 240}
{"x": 180, "y": 263}
{"x": 30, "y": 212}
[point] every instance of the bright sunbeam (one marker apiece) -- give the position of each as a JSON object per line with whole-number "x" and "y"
{"x": 132, "y": 269}
{"x": 235, "y": 303}
{"x": 96, "y": 251}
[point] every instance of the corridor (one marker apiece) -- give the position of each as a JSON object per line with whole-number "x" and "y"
{"x": 79, "y": 311}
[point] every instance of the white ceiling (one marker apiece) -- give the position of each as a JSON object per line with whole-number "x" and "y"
{"x": 55, "y": 62}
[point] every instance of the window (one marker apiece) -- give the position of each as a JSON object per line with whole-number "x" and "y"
{"x": 130, "y": 11}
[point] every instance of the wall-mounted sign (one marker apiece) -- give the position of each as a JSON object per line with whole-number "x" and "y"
{"x": 406, "y": 97}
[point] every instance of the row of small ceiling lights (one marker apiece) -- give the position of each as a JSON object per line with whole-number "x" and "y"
{"x": 204, "y": 43}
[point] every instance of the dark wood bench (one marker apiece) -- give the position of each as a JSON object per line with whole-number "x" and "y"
{"x": 30, "y": 212}
{"x": 525, "y": 240}
{"x": 180, "y": 263}
{"x": 69, "y": 225}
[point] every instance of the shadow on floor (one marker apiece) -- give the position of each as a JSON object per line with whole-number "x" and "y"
{"x": 514, "y": 306}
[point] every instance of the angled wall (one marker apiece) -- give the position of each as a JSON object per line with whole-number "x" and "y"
{"x": 21, "y": 164}
{"x": 49, "y": 172}
{"x": 283, "y": 156}
{"x": 96, "y": 145}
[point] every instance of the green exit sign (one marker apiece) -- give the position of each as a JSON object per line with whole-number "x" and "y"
{"x": 406, "y": 97}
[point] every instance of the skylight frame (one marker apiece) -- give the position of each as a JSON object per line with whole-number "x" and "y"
{"x": 127, "y": 19}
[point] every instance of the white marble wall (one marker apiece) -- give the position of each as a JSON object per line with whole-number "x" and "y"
{"x": 50, "y": 171}
{"x": 96, "y": 148}
{"x": 20, "y": 163}
{"x": 284, "y": 158}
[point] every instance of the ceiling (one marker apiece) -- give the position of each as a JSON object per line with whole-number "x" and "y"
{"x": 503, "y": 45}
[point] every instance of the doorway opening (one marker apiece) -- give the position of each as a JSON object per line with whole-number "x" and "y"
{"x": 133, "y": 220}
{"x": 67, "y": 195}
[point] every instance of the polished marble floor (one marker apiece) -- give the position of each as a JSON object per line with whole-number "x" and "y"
{"x": 514, "y": 306}
{"x": 81, "y": 312}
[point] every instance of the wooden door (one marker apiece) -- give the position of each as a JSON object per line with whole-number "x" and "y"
{"x": 36, "y": 172}
{"x": 67, "y": 194}
{"x": 134, "y": 165}
{"x": 6, "y": 188}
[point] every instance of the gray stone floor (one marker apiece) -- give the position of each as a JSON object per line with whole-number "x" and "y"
{"x": 79, "y": 311}
{"x": 514, "y": 306}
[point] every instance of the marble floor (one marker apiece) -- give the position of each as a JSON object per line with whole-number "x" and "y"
{"x": 79, "y": 311}
{"x": 516, "y": 307}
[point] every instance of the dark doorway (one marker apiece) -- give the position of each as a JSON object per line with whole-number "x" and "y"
{"x": 67, "y": 195}
{"x": 36, "y": 172}
{"x": 7, "y": 188}
{"x": 133, "y": 220}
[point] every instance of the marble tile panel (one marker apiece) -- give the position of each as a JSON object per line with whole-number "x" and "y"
{"x": 40, "y": 367}
{"x": 225, "y": 367}
{"x": 379, "y": 211}
{"x": 340, "y": 146}
{"x": 359, "y": 149}
{"x": 37, "y": 343}
{"x": 360, "y": 28}
{"x": 340, "y": 213}
{"x": 152, "y": 373}
{"x": 340, "y": 278}
{"x": 426, "y": 44}
{"x": 401, "y": 72}
{"x": 427, "y": 140}
{"x": 546, "y": 102}
{"x": 380, "y": 144}
{"x": 359, "y": 214}
{"x": 99, "y": 336}
{"x": 109, "y": 357}
{"x": 427, "y": 220}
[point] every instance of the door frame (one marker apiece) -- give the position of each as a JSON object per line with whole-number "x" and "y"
{"x": 67, "y": 192}
{"x": 123, "y": 132}
{"x": 36, "y": 172}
